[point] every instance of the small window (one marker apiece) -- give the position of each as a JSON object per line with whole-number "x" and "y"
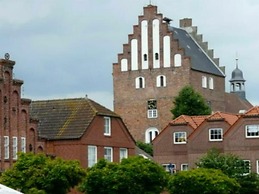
{"x": 211, "y": 83}
{"x": 145, "y": 57}
{"x": 247, "y": 167}
{"x": 171, "y": 168}
{"x": 180, "y": 138}
{"x": 215, "y": 134}
{"x": 204, "y": 81}
{"x": 156, "y": 56}
{"x": 123, "y": 153}
{"x": 92, "y": 155}
{"x": 252, "y": 131}
{"x": 23, "y": 144}
{"x": 177, "y": 60}
{"x": 107, "y": 126}
{"x": 15, "y": 148}
{"x": 150, "y": 134}
{"x": 140, "y": 82}
{"x": 161, "y": 81}
{"x": 108, "y": 155}
{"x": 184, "y": 167}
{"x": 152, "y": 109}
{"x": 6, "y": 147}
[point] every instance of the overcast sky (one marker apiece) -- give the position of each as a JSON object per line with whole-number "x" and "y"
{"x": 65, "y": 48}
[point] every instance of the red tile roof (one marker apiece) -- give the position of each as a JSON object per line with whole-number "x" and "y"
{"x": 254, "y": 111}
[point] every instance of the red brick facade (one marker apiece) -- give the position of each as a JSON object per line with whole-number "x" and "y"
{"x": 239, "y": 135}
{"x": 18, "y": 132}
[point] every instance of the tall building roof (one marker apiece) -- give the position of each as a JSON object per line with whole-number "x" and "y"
{"x": 66, "y": 118}
{"x": 200, "y": 61}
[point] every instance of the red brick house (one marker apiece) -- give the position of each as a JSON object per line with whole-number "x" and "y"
{"x": 156, "y": 62}
{"x": 81, "y": 129}
{"x": 187, "y": 138}
{"x": 18, "y": 131}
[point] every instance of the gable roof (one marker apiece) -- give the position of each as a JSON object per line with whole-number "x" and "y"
{"x": 221, "y": 116}
{"x": 66, "y": 118}
{"x": 253, "y": 112}
{"x": 193, "y": 121}
{"x": 199, "y": 60}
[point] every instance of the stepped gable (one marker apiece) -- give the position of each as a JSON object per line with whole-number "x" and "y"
{"x": 253, "y": 112}
{"x": 66, "y": 118}
{"x": 200, "y": 61}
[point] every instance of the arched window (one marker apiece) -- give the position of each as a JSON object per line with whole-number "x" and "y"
{"x": 150, "y": 134}
{"x": 156, "y": 56}
{"x": 204, "y": 81}
{"x": 177, "y": 60}
{"x": 140, "y": 82}
{"x": 161, "y": 81}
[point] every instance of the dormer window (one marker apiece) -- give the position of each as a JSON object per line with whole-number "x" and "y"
{"x": 107, "y": 126}
{"x": 252, "y": 131}
{"x": 180, "y": 138}
{"x": 216, "y": 134}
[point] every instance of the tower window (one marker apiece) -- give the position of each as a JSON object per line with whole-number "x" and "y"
{"x": 152, "y": 109}
{"x": 150, "y": 134}
{"x": 140, "y": 82}
{"x": 161, "y": 81}
{"x": 145, "y": 57}
{"x": 156, "y": 56}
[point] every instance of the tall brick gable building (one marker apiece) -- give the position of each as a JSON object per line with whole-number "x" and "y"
{"x": 18, "y": 132}
{"x": 156, "y": 63}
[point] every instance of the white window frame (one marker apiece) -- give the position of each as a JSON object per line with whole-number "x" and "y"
{"x": 23, "y": 144}
{"x": 152, "y": 113}
{"x": 166, "y": 167}
{"x": 158, "y": 81}
{"x": 137, "y": 82}
{"x": 184, "y": 137}
{"x": 6, "y": 148}
{"x": 204, "y": 81}
{"x": 177, "y": 60}
{"x": 150, "y": 134}
{"x": 15, "y": 148}
{"x": 123, "y": 153}
{"x": 107, "y": 126}
{"x": 210, "y": 134}
{"x": 255, "y": 132}
{"x": 184, "y": 167}
{"x": 92, "y": 155}
{"x": 108, "y": 156}
{"x": 211, "y": 83}
{"x": 257, "y": 166}
{"x": 249, "y": 171}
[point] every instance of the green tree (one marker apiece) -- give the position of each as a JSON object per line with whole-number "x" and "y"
{"x": 147, "y": 147}
{"x": 202, "y": 181}
{"x": 41, "y": 174}
{"x": 134, "y": 175}
{"x": 232, "y": 166}
{"x": 189, "y": 102}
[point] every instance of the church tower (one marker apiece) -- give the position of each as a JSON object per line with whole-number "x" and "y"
{"x": 156, "y": 63}
{"x": 237, "y": 82}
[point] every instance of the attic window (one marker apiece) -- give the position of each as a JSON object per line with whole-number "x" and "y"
{"x": 252, "y": 131}
{"x": 107, "y": 126}
{"x": 180, "y": 138}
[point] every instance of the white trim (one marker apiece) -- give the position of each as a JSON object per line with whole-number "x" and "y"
{"x": 109, "y": 158}
{"x": 6, "y": 147}
{"x": 15, "y": 148}
{"x": 107, "y": 126}
{"x": 254, "y": 136}
{"x": 125, "y": 153}
{"x": 184, "y": 138}
{"x": 182, "y": 165}
{"x": 23, "y": 144}
{"x": 93, "y": 161}
{"x": 221, "y": 133}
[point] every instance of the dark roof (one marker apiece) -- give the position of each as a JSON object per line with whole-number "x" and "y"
{"x": 237, "y": 75}
{"x": 66, "y": 118}
{"x": 199, "y": 60}
{"x": 235, "y": 104}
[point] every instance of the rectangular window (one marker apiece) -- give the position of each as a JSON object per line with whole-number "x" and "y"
{"x": 6, "y": 147}
{"x": 108, "y": 155}
{"x": 204, "y": 81}
{"x": 23, "y": 144}
{"x": 171, "y": 168}
{"x": 257, "y": 166}
{"x": 184, "y": 167}
{"x": 92, "y": 155}
{"x": 247, "y": 166}
{"x": 180, "y": 138}
{"x": 123, "y": 153}
{"x": 215, "y": 134}
{"x": 107, "y": 126}
{"x": 252, "y": 131}
{"x": 211, "y": 83}
{"x": 152, "y": 114}
{"x": 15, "y": 148}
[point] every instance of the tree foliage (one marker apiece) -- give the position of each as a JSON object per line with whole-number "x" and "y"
{"x": 134, "y": 175}
{"x": 232, "y": 166}
{"x": 147, "y": 147}
{"x": 41, "y": 174}
{"x": 202, "y": 181}
{"x": 189, "y": 102}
